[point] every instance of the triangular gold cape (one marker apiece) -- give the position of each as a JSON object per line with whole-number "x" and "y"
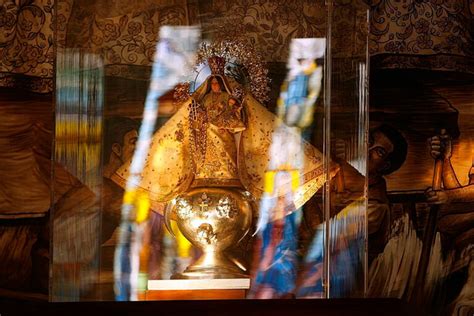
{"x": 169, "y": 169}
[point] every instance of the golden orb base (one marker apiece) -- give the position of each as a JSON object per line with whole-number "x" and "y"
{"x": 214, "y": 220}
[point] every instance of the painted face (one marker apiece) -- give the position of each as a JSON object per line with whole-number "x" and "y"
{"x": 129, "y": 142}
{"x": 215, "y": 86}
{"x": 380, "y": 147}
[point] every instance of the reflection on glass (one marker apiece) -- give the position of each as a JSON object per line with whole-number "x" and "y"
{"x": 278, "y": 260}
{"x": 174, "y": 54}
{"x": 78, "y": 174}
{"x": 303, "y": 83}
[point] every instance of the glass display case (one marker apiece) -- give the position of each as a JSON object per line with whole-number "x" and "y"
{"x": 210, "y": 150}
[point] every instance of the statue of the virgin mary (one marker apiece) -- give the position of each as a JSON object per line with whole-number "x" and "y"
{"x": 207, "y": 166}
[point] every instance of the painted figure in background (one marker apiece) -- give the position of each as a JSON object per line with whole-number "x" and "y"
{"x": 119, "y": 143}
{"x": 387, "y": 153}
{"x": 120, "y": 137}
{"x": 455, "y": 222}
{"x": 392, "y": 246}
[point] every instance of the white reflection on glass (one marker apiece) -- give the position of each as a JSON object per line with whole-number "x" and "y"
{"x": 303, "y": 83}
{"x": 77, "y": 173}
{"x": 173, "y": 59}
{"x": 277, "y": 227}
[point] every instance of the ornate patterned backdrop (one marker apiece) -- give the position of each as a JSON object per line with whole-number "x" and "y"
{"x": 26, "y": 44}
{"x": 270, "y": 25}
{"x": 427, "y": 34}
{"x": 128, "y": 38}
{"x": 430, "y": 34}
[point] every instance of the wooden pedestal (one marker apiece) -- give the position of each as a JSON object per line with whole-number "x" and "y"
{"x": 217, "y": 289}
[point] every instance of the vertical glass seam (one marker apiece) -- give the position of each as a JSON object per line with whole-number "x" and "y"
{"x": 327, "y": 149}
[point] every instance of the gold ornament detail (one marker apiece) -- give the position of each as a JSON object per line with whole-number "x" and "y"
{"x": 181, "y": 92}
{"x": 239, "y": 52}
{"x": 198, "y": 123}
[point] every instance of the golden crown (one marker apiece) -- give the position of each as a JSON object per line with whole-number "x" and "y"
{"x": 217, "y": 65}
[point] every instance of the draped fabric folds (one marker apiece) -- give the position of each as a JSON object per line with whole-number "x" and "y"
{"x": 169, "y": 168}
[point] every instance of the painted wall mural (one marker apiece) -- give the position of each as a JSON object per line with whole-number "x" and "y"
{"x": 403, "y": 34}
{"x": 427, "y": 198}
{"x": 26, "y": 44}
{"x": 421, "y": 111}
{"x": 423, "y": 34}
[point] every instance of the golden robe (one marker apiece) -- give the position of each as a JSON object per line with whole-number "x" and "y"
{"x": 170, "y": 168}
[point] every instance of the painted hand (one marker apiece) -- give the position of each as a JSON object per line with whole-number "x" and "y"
{"x": 440, "y": 146}
{"x": 436, "y": 197}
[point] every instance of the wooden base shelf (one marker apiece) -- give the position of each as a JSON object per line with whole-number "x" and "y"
{"x": 216, "y": 289}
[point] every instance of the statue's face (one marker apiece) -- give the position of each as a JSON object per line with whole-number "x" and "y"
{"x": 215, "y": 86}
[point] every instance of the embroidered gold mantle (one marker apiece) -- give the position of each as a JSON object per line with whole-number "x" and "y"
{"x": 240, "y": 152}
